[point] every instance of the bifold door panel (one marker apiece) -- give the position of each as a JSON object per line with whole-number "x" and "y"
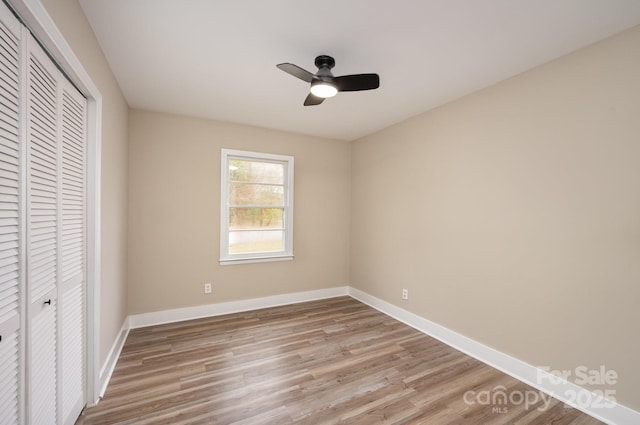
{"x": 42, "y": 235}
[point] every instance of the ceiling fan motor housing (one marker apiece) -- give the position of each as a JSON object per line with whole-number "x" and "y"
{"x": 324, "y": 64}
{"x": 324, "y": 61}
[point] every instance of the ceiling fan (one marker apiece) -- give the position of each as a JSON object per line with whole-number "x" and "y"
{"x": 324, "y": 84}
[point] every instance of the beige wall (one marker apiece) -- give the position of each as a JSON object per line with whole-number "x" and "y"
{"x": 71, "y": 21}
{"x": 174, "y": 213}
{"x": 513, "y": 215}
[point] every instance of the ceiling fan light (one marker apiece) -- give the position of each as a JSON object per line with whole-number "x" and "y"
{"x": 323, "y": 89}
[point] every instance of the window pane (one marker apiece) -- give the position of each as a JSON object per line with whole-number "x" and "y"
{"x": 255, "y": 194}
{"x": 246, "y": 241}
{"x": 257, "y": 206}
{"x": 255, "y": 218}
{"x": 256, "y": 171}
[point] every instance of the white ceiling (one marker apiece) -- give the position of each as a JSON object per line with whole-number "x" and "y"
{"x": 217, "y": 58}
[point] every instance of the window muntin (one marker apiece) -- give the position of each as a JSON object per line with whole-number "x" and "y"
{"x": 256, "y": 207}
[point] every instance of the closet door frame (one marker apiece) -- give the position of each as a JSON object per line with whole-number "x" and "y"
{"x": 45, "y": 30}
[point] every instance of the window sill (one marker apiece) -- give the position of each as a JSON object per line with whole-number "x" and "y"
{"x": 230, "y": 262}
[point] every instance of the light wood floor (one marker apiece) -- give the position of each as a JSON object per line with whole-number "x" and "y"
{"x": 334, "y": 361}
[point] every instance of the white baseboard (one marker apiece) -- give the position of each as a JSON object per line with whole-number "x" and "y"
{"x": 110, "y": 364}
{"x": 210, "y": 310}
{"x": 602, "y": 409}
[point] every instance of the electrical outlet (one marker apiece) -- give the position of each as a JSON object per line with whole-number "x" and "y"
{"x": 207, "y": 288}
{"x": 405, "y": 294}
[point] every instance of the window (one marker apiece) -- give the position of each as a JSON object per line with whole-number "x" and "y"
{"x": 256, "y": 207}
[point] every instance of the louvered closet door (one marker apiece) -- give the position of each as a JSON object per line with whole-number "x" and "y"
{"x": 71, "y": 294}
{"x": 42, "y": 233}
{"x": 10, "y": 284}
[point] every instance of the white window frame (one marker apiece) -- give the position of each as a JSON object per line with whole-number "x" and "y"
{"x": 227, "y": 258}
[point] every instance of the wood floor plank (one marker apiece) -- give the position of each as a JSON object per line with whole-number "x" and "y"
{"x": 327, "y": 362}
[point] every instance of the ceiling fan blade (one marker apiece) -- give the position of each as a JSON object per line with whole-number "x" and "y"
{"x": 357, "y": 82}
{"x": 313, "y": 100}
{"x": 296, "y": 71}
